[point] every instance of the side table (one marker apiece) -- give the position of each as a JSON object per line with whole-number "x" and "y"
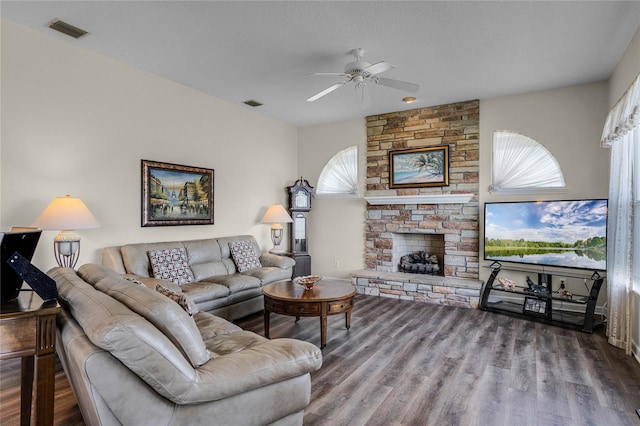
{"x": 28, "y": 330}
{"x": 328, "y": 297}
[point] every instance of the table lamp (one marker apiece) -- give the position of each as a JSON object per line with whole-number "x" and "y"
{"x": 66, "y": 214}
{"x": 276, "y": 215}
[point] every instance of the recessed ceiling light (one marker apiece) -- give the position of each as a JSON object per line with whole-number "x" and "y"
{"x": 67, "y": 29}
{"x": 408, "y": 99}
{"x": 252, "y": 103}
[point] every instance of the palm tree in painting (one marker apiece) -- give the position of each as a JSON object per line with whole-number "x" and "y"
{"x": 429, "y": 162}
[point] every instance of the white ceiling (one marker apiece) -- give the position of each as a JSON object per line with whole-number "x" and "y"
{"x": 241, "y": 50}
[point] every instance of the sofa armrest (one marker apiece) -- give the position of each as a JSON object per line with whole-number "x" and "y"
{"x": 270, "y": 259}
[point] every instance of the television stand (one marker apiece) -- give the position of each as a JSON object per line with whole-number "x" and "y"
{"x": 540, "y": 302}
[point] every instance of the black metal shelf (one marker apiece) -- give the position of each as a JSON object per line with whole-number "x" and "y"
{"x": 539, "y": 305}
{"x": 576, "y": 298}
{"x": 558, "y": 317}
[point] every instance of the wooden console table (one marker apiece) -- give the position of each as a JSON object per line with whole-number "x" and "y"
{"x": 28, "y": 330}
{"x": 328, "y": 297}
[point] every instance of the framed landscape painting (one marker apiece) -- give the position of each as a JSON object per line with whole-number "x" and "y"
{"x": 173, "y": 194}
{"x": 419, "y": 167}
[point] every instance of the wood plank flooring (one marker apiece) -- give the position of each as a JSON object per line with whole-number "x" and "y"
{"x": 66, "y": 411}
{"x": 409, "y": 363}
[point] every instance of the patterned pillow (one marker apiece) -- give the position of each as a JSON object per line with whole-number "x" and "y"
{"x": 135, "y": 281}
{"x": 171, "y": 265}
{"x": 244, "y": 255}
{"x": 179, "y": 298}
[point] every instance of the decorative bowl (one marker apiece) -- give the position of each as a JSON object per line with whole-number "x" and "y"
{"x": 307, "y": 281}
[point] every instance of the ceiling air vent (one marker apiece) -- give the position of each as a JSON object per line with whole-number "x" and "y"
{"x": 67, "y": 29}
{"x": 252, "y": 103}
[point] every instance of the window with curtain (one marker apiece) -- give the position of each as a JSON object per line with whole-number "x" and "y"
{"x": 622, "y": 134}
{"x": 636, "y": 209}
{"x": 522, "y": 165}
{"x": 339, "y": 177}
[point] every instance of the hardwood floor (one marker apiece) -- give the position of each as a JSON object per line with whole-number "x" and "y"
{"x": 409, "y": 363}
{"x": 66, "y": 411}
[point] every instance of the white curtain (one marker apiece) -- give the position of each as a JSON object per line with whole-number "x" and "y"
{"x": 520, "y": 162}
{"x": 622, "y": 134}
{"x": 340, "y": 175}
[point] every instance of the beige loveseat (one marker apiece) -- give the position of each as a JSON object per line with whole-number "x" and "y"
{"x": 134, "y": 357}
{"x": 217, "y": 286}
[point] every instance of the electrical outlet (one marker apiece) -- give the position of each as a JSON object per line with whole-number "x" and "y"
{"x": 336, "y": 263}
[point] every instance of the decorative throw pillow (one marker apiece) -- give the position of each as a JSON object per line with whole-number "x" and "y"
{"x": 135, "y": 281}
{"x": 179, "y": 298}
{"x": 171, "y": 265}
{"x": 244, "y": 255}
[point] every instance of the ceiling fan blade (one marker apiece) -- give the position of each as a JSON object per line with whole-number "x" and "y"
{"x": 397, "y": 84}
{"x": 327, "y": 91}
{"x": 379, "y": 67}
{"x": 328, "y": 73}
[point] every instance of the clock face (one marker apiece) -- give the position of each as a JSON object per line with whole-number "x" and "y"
{"x": 301, "y": 199}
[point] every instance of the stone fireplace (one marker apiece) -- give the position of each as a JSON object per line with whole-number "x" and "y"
{"x": 441, "y": 219}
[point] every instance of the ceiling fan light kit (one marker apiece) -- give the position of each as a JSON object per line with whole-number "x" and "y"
{"x": 360, "y": 72}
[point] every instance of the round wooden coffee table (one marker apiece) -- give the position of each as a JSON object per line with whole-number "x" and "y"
{"x": 328, "y": 297}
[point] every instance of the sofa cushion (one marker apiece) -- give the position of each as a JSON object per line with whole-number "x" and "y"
{"x": 206, "y": 259}
{"x": 268, "y": 275}
{"x": 211, "y": 326}
{"x": 112, "y": 326}
{"x": 162, "y": 312}
{"x": 235, "y": 282}
{"x": 203, "y": 291}
{"x": 170, "y": 265}
{"x": 244, "y": 255}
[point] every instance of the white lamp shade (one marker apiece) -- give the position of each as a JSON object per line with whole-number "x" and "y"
{"x": 66, "y": 213}
{"x": 276, "y": 214}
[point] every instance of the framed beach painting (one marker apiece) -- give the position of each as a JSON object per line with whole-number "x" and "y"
{"x": 173, "y": 194}
{"x": 419, "y": 167}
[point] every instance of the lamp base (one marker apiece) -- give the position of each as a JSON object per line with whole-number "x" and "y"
{"x": 66, "y": 249}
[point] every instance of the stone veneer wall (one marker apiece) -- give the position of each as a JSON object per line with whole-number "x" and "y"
{"x": 455, "y": 125}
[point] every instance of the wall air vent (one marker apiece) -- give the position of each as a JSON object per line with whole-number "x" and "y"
{"x": 67, "y": 29}
{"x": 252, "y": 103}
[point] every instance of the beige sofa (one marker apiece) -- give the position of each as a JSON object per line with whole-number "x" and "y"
{"x": 134, "y": 357}
{"x": 218, "y": 287}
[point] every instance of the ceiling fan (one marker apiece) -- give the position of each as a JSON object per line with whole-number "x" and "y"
{"x": 361, "y": 72}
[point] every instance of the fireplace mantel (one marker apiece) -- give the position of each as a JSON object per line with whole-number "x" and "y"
{"x": 420, "y": 199}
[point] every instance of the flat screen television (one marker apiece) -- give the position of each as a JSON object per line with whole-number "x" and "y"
{"x": 567, "y": 234}
{"x": 23, "y": 242}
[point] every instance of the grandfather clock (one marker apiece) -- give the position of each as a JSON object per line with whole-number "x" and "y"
{"x": 299, "y": 207}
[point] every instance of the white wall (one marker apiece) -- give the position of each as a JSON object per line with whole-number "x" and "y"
{"x": 336, "y": 225}
{"x": 626, "y": 71}
{"x": 568, "y": 122}
{"x": 77, "y": 123}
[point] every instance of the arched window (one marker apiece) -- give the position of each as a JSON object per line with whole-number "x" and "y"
{"x": 340, "y": 175}
{"x": 521, "y": 165}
